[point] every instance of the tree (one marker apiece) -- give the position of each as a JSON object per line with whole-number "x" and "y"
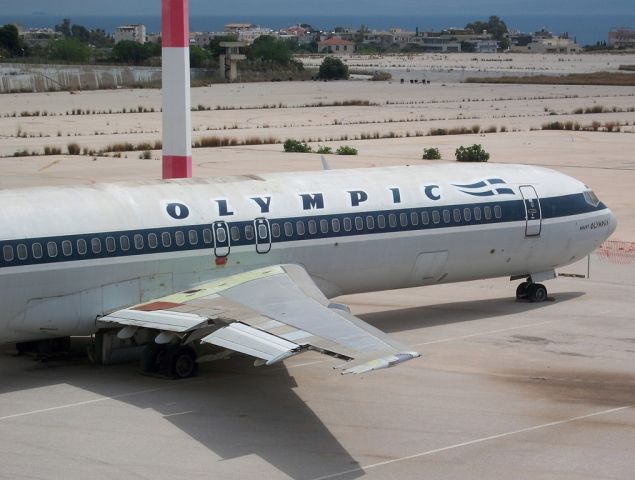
{"x": 134, "y": 53}
{"x": 494, "y": 26}
{"x": 214, "y": 45}
{"x": 80, "y": 33}
{"x": 10, "y": 41}
{"x": 64, "y": 28}
{"x": 333, "y": 69}
{"x": 198, "y": 56}
{"x": 69, "y": 50}
{"x": 270, "y": 48}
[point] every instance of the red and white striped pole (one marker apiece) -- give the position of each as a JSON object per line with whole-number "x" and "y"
{"x": 177, "y": 119}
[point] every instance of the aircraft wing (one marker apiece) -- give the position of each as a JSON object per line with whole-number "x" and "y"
{"x": 271, "y": 314}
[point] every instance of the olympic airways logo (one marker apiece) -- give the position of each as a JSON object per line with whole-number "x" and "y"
{"x": 486, "y": 188}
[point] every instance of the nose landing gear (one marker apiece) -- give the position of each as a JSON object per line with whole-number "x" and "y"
{"x": 534, "y": 292}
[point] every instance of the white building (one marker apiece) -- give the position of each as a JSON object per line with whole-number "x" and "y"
{"x": 336, "y": 46}
{"x": 553, "y": 45}
{"x": 131, "y": 33}
{"x": 249, "y": 35}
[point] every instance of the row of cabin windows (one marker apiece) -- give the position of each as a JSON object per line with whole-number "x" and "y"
{"x": 370, "y": 222}
{"x": 138, "y": 241}
{"x": 110, "y": 244}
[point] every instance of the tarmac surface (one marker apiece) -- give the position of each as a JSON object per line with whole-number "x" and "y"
{"x": 503, "y": 390}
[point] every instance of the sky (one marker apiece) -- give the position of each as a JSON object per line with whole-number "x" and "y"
{"x": 326, "y": 7}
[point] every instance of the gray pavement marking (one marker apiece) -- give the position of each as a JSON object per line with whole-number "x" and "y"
{"x": 476, "y": 441}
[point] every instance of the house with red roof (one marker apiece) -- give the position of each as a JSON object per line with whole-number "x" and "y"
{"x": 336, "y": 46}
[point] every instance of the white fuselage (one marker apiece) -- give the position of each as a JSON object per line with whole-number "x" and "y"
{"x": 69, "y": 255}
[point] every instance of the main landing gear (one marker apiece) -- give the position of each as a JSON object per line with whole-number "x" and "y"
{"x": 534, "y": 292}
{"x": 172, "y": 361}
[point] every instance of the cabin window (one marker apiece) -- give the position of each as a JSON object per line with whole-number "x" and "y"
{"x": 436, "y": 217}
{"x": 207, "y": 236}
{"x": 249, "y": 232}
{"x": 138, "y": 242}
{"x": 7, "y": 253}
{"x": 179, "y": 238}
{"x": 166, "y": 239}
{"x": 51, "y": 249}
{"x": 381, "y": 221}
{"x": 37, "y": 251}
{"x": 262, "y": 232}
{"x": 348, "y": 224}
{"x": 446, "y": 216}
{"x": 324, "y": 226}
{"x": 359, "y": 223}
{"x": 124, "y": 243}
{"x": 275, "y": 230}
{"x": 403, "y": 220}
{"x": 95, "y": 245}
{"x": 221, "y": 235}
{"x": 498, "y": 212}
{"x": 153, "y": 240}
{"x": 235, "y": 233}
{"x": 487, "y": 211}
{"x": 111, "y": 245}
{"x": 414, "y": 218}
{"x": 67, "y": 248}
{"x": 288, "y": 229}
{"x": 192, "y": 236}
{"x": 312, "y": 227}
{"x": 467, "y": 214}
{"x": 82, "y": 247}
{"x": 392, "y": 220}
{"x": 425, "y": 218}
{"x": 477, "y": 214}
{"x": 370, "y": 222}
{"x": 299, "y": 227}
{"x": 22, "y": 251}
{"x": 335, "y": 223}
{"x": 456, "y": 213}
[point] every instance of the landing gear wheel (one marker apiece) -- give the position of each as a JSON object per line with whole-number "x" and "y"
{"x": 178, "y": 362}
{"x": 537, "y": 293}
{"x": 150, "y": 358}
{"x": 521, "y": 291}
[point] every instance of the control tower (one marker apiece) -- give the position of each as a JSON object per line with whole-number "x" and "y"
{"x": 228, "y": 61}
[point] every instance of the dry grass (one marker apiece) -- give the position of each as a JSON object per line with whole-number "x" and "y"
{"x": 597, "y": 78}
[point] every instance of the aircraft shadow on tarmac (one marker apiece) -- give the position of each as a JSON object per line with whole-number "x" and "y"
{"x": 405, "y": 319}
{"x": 232, "y": 408}
{"x": 237, "y": 410}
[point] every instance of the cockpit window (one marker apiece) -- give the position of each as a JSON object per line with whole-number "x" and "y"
{"x": 591, "y": 198}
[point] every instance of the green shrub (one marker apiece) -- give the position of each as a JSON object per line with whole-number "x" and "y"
{"x": 147, "y": 155}
{"x": 333, "y": 69}
{"x": 291, "y": 145}
{"x": 324, "y": 150}
{"x": 474, "y": 153}
{"x": 431, "y": 154}
{"x": 346, "y": 150}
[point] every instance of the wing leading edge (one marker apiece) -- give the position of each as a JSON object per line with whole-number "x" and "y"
{"x": 271, "y": 314}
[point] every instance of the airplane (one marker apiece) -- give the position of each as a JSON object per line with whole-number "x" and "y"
{"x": 194, "y": 270}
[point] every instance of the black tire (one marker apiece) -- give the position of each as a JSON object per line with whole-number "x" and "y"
{"x": 149, "y": 358}
{"x": 537, "y": 293}
{"x": 179, "y": 362}
{"x": 521, "y": 291}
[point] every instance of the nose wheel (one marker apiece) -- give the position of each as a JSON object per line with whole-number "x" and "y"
{"x": 534, "y": 292}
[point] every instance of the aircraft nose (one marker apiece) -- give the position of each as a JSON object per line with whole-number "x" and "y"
{"x": 612, "y": 224}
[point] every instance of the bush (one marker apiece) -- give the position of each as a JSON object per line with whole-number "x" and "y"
{"x": 474, "y": 153}
{"x": 292, "y": 145}
{"x": 74, "y": 149}
{"x": 269, "y": 48}
{"x": 324, "y": 150}
{"x": 346, "y": 150}
{"x": 69, "y": 50}
{"x": 431, "y": 154}
{"x": 333, "y": 69}
{"x": 146, "y": 155}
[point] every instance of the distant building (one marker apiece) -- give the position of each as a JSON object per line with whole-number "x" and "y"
{"x": 622, "y": 37}
{"x": 237, "y": 27}
{"x": 38, "y": 37}
{"x": 249, "y": 35}
{"x": 131, "y": 33}
{"x": 553, "y": 45}
{"x": 336, "y": 46}
{"x": 437, "y": 44}
{"x": 202, "y": 39}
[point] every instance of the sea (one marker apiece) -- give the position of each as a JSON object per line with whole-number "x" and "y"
{"x": 586, "y": 29}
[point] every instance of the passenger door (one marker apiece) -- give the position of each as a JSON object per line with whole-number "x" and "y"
{"x": 221, "y": 239}
{"x": 263, "y": 235}
{"x": 533, "y": 213}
